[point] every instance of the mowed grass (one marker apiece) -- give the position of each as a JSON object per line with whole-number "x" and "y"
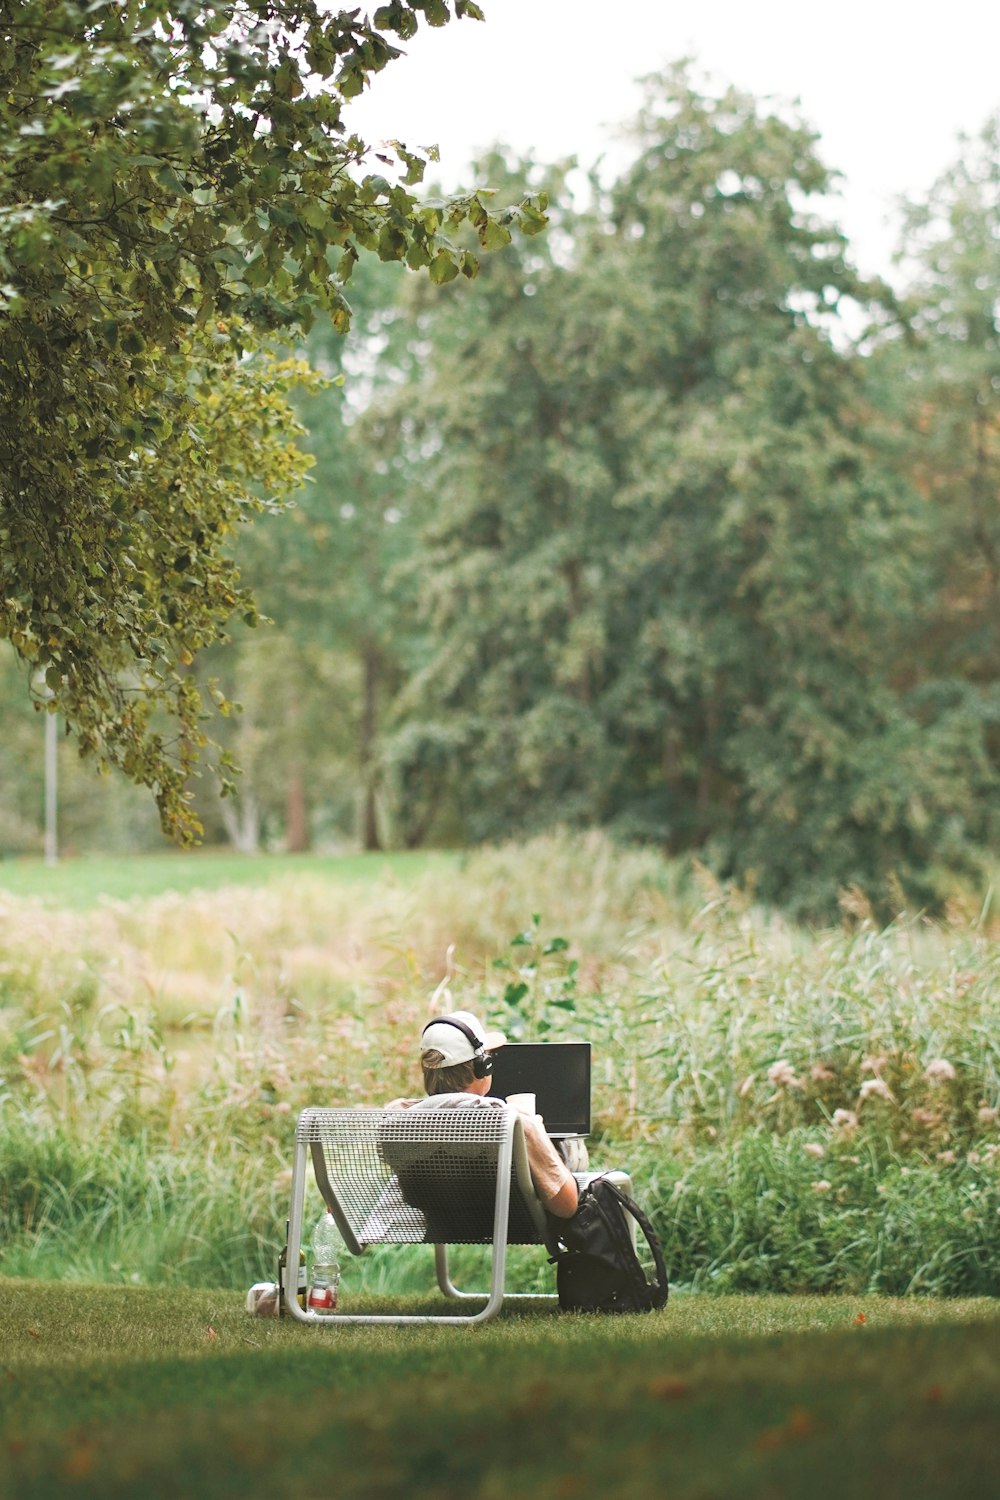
{"x": 120, "y": 1392}
{"x": 85, "y": 881}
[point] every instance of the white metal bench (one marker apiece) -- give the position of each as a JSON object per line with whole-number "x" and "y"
{"x": 409, "y": 1177}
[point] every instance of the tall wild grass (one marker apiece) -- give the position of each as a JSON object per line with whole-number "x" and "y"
{"x": 800, "y": 1110}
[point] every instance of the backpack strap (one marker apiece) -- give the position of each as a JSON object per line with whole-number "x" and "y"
{"x": 655, "y": 1295}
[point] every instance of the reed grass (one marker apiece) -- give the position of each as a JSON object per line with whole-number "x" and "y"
{"x": 800, "y": 1110}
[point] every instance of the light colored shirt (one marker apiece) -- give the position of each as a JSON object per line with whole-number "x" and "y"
{"x": 549, "y": 1172}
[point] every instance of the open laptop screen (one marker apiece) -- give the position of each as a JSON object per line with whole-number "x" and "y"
{"x": 557, "y": 1073}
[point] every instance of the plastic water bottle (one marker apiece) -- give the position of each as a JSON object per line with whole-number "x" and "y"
{"x": 325, "y": 1284}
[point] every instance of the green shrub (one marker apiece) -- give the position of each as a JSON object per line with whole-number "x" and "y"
{"x": 765, "y": 1215}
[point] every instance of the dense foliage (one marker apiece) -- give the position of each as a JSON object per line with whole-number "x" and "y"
{"x": 177, "y": 184}
{"x": 694, "y": 564}
{"x": 668, "y": 522}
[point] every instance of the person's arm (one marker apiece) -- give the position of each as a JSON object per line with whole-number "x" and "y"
{"x": 564, "y": 1204}
{"x": 554, "y": 1182}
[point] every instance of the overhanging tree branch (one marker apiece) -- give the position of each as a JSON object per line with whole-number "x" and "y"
{"x": 177, "y": 188}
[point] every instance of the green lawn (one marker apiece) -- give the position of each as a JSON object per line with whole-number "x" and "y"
{"x": 78, "y": 883}
{"x": 127, "y": 1392}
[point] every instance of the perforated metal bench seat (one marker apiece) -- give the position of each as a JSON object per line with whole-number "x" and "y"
{"x": 440, "y": 1177}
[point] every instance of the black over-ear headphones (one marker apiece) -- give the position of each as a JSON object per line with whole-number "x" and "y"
{"x": 482, "y": 1061}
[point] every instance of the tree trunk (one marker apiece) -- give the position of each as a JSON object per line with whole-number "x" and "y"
{"x": 707, "y": 791}
{"x": 241, "y": 820}
{"x": 296, "y": 813}
{"x": 416, "y": 834}
{"x": 584, "y": 686}
{"x": 369, "y": 730}
{"x": 673, "y": 780}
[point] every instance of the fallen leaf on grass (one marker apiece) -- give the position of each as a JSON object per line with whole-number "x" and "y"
{"x": 860, "y": 1318}
{"x": 800, "y": 1424}
{"x": 668, "y": 1388}
{"x": 80, "y": 1462}
{"x": 33, "y": 1333}
{"x": 537, "y": 1398}
{"x": 210, "y": 1333}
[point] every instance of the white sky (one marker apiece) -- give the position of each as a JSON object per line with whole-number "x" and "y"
{"x": 889, "y": 84}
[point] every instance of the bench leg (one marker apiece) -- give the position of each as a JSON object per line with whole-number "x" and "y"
{"x": 449, "y": 1289}
{"x": 444, "y": 1280}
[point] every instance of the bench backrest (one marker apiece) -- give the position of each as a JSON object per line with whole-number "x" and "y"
{"x": 420, "y": 1177}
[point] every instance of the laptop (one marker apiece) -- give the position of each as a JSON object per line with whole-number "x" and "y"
{"x": 557, "y": 1073}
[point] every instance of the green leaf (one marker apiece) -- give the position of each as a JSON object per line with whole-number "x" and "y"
{"x": 443, "y": 268}
{"x": 315, "y": 214}
{"x": 391, "y": 243}
{"x": 492, "y": 236}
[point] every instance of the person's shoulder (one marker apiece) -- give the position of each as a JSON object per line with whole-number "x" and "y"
{"x": 458, "y": 1101}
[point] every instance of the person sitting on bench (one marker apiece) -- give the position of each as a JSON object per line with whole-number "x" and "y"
{"x": 455, "y": 1059}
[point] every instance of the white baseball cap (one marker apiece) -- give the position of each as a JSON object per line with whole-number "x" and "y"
{"x": 448, "y": 1035}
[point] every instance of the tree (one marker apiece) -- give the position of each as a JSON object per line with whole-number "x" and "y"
{"x": 108, "y": 812}
{"x": 458, "y": 438}
{"x": 667, "y": 568}
{"x": 292, "y": 739}
{"x": 946, "y": 378}
{"x": 177, "y": 187}
{"x": 361, "y": 527}
{"x": 328, "y": 574}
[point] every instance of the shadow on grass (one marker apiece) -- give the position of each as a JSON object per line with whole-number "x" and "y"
{"x": 130, "y": 1392}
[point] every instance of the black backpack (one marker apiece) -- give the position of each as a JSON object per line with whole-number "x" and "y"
{"x": 597, "y": 1269}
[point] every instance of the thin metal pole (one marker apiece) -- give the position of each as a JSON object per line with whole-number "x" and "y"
{"x": 51, "y": 790}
